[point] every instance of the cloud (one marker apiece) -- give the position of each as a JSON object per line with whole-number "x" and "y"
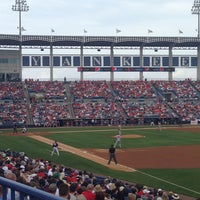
{"x": 101, "y": 16}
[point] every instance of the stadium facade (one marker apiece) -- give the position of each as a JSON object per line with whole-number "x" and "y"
{"x": 13, "y": 62}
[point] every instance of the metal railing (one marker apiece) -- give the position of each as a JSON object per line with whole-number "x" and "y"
{"x": 24, "y": 191}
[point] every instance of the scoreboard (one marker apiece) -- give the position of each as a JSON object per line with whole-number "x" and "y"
{"x": 126, "y": 69}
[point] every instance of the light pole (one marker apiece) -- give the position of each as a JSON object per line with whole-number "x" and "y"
{"x": 20, "y": 6}
{"x": 51, "y": 55}
{"x": 196, "y": 11}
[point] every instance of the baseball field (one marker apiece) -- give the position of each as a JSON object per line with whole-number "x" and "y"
{"x": 167, "y": 158}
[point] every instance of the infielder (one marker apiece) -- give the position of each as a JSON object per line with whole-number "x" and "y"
{"x": 119, "y": 130}
{"x": 118, "y": 141}
{"x": 55, "y": 148}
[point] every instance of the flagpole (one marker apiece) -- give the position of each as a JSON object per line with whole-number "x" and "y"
{"x": 84, "y": 34}
{"x": 51, "y": 55}
{"x": 180, "y": 32}
{"x": 81, "y": 54}
{"x": 149, "y": 32}
{"x": 117, "y": 31}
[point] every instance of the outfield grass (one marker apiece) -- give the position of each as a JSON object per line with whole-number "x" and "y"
{"x": 182, "y": 181}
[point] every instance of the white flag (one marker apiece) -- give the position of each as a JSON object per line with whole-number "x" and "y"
{"x": 118, "y": 31}
{"x": 52, "y": 30}
{"x": 150, "y": 31}
{"x": 23, "y": 29}
{"x": 180, "y": 32}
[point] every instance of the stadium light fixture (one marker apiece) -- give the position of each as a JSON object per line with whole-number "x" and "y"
{"x": 196, "y": 11}
{"x": 20, "y": 6}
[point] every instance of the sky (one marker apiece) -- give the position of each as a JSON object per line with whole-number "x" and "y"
{"x": 101, "y": 17}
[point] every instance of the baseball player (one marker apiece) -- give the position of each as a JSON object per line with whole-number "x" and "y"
{"x": 119, "y": 130}
{"x": 55, "y": 148}
{"x": 118, "y": 141}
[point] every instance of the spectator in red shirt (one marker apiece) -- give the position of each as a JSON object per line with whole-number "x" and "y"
{"x": 89, "y": 192}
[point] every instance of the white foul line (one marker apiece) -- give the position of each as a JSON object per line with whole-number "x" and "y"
{"x": 190, "y": 190}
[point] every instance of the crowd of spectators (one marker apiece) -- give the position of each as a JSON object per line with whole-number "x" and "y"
{"x": 50, "y": 90}
{"x": 137, "y": 109}
{"x": 13, "y": 103}
{"x": 72, "y": 184}
{"x": 133, "y": 89}
{"x": 98, "y": 110}
{"x": 188, "y": 110}
{"x": 183, "y": 89}
{"x": 185, "y": 102}
{"x": 90, "y": 90}
{"x": 46, "y": 103}
{"x": 49, "y": 114}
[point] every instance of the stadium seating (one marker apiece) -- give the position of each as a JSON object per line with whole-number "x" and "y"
{"x": 40, "y": 103}
{"x": 27, "y": 178}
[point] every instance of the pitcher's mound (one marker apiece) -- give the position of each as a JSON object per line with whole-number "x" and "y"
{"x": 131, "y": 136}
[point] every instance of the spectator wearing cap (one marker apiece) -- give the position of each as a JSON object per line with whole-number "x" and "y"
{"x": 175, "y": 196}
{"x": 146, "y": 193}
{"x": 159, "y": 194}
{"x": 41, "y": 173}
{"x": 120, "y": 191}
